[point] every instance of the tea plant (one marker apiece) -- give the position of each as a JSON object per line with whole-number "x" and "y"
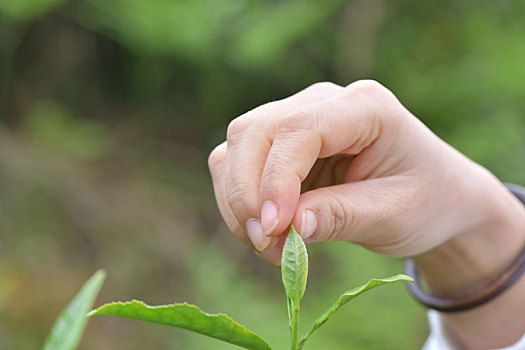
{"x": 69, "y": 326}
{"x": 294, "y": 270}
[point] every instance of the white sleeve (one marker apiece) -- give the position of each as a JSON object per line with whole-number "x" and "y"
{"x": 438, "y": 341}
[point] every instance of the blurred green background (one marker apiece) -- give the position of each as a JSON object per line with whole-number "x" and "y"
{"x": 108, "y": 110}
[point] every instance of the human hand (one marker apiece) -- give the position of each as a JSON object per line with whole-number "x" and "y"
{"x": 348, "y": 164}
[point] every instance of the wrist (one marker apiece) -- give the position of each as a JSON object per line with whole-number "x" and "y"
{"x": 497, "y": 323}
{"x": 481, "y": 251}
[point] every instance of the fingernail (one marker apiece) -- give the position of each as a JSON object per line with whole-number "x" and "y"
{"x": 269, "y": 217}
{"x": 259, "y": 240}
{"x": 308, "y": 223}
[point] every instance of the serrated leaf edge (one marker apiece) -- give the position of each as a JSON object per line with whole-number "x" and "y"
{"x": 101, "y": 311}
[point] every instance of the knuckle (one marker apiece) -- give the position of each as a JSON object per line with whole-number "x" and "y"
{"x": 216, "y": 156}
{"x": 371, "y": 92}
{"x": 236, "y": 128}
{"x": 298, "y": 121}
{"x": 323, "y": 86}
{"x": 374, "y": 97}
{"x": 237, "y": 198}
{"x": 368, "y": 87}
{"x": 339, "y": 218}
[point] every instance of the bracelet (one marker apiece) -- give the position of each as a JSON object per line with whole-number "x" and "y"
{"x": 477, "y": 297}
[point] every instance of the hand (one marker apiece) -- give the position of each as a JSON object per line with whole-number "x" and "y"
{"x": 348, "y": 164}
{"x": 352, "y": 164}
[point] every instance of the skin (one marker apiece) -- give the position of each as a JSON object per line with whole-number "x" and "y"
{"x": 353, "y": 164}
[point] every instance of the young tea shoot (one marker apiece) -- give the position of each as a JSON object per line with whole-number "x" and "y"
{"x": 294, "y": 270}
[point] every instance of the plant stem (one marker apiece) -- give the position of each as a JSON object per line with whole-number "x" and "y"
{"x": 301, "y": 343}
{"x": 294, "y": 326}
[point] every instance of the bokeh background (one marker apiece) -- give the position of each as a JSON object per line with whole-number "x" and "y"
{"x": 108, "y": 110}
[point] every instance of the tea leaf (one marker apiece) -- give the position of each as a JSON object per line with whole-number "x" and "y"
{"x": 346, "y": 297}
{"x": 294, "y": 272}
{"x": 190, "y": 317}
{"x": 69, "y": 326}
{"x": 294, "y": 266}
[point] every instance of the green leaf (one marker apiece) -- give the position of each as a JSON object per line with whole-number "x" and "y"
{"x": 190, "y": 317}
{"x": 349, "y": 295}
{"x": 294, "y": 272}
{"x": 68, "y": 328}
{"x": 294, "y": 266}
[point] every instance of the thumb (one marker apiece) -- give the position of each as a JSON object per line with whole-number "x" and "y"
{"x": 373, "y": 213}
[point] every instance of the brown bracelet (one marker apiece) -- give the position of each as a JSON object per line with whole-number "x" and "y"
{"x": 477, "y": 297}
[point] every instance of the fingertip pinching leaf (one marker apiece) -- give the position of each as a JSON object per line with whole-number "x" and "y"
{"x": 294, "y": 266}
{"x": 349, "y": 295}
{"x": 189, "y": 317}
{"x": 69, "y": 327}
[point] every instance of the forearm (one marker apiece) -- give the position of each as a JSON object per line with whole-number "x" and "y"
{"x": 478, "y": 256}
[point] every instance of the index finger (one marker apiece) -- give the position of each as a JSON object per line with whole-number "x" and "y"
{"x": 345, "y": 124}
{"x": 249, "y": 141}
